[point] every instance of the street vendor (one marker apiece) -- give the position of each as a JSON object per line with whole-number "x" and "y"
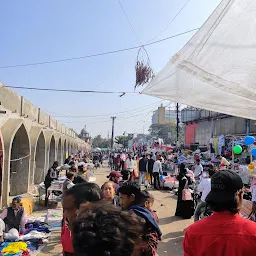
{"x": 14, "y": 216}
{"x": 224, "y": 163}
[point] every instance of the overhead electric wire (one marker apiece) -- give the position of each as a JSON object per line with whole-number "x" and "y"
{"x": 68, "y": 90}
{"x": 172, "y": 20}
{"x": 129, "y": 21}
{"x": 111, "y": 114}
{"x": 97, "y": 54}
{"x": 118, "y": 119}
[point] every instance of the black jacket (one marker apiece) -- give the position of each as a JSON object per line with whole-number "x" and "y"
{"x": 13, "y": 221}
{"x": 142, "y": 165}
{"x": 150, "y": 165}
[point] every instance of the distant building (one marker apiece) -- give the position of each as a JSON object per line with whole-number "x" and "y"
{"x": 164, "y": 116}
{"x": 203, "y": 125}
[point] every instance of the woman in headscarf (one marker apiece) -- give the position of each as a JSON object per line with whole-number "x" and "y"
{"x": 185, "y": 208}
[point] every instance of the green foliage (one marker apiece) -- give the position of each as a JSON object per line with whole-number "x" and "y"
{"x": 99, "y": 142}
{"x": 122, "y": 140}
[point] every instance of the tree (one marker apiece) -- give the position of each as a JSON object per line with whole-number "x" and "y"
{"x": 162, "y": 130}
{"x": 122, "y": 140}
{"x": 99, "y": 142}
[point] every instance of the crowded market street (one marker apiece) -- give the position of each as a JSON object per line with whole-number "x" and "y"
{"x": 128, "y": 128}
{"x": 165, "y": 204}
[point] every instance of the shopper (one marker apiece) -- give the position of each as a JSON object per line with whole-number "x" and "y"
{"x": 150, "y": 165}
{"x": 157, "y": 170}
{"x": 115, "y": 177}
{"x": 185, "y": 208}
{"x": 109, "y": 192}
{"x": 73, "y": 198}
{"x": 198, "y": 170}
{"x": 225, "y": 232}
{"x": 130, "y": 200}
{"x": 102, "y": 229}
{"x": 130, "y": 166}
{"x": 142, "y": 169}
{"x": 205, "y": 188}
{"x": 147, "y": 201}
{"x": 68, "y": 183}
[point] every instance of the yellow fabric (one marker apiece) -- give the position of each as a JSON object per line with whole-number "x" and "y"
{"x": 28, "y": 204}
{"x": 14, "y": 248}
{"x": 147, "y": 176}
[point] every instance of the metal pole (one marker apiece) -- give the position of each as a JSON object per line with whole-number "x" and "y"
{"x": 233, "y": 155}
{"x": 177, "y": 121}
{"x": 113, "y": 127}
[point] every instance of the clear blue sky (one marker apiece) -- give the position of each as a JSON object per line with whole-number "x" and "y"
{"x": 34, "y": 31}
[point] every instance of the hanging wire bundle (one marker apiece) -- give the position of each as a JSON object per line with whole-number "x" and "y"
{"x": 144, "y": 72}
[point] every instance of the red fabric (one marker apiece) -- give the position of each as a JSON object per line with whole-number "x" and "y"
{"x": 190, "y": 133}
{"x": 170, "y": 179}
{"x": 66, "y": 239}
{"x": 221, "y": 234}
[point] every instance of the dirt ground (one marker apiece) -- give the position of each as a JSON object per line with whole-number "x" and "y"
{"x": 171, "y": 226}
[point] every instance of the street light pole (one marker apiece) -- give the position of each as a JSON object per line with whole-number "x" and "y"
{"x": 112, "y": 135}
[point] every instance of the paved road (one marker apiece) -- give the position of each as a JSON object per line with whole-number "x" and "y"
{"x": 171, "y": 226}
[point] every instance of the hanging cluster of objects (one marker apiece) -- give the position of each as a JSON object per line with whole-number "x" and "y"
{"x": 144, "y": 72}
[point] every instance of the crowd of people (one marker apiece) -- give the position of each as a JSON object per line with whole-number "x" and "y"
{"x": 118, "y": 217}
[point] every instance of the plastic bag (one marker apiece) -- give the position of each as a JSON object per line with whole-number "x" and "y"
{"x": 162, "y": 178}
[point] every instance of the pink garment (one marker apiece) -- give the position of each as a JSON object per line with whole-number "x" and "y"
{"x": 23, "y": 220}
{"x": 191, "y": 175}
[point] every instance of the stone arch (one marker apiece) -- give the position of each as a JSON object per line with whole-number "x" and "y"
{"x": 69, "y": 148}
{"x": 72, "y": 148}
{"x": 64, "y": 150}
{"x": 40, "y": 159}
{"x": 19, "y": 162}
{"x": 76, "y": 146}
{"x": 52, "y": 150}
{"x": 59, "y": 152}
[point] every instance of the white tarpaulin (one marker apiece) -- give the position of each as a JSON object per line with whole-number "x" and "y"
{"x": 216, "y": 69}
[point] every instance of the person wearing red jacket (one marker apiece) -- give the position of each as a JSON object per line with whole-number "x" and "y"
{"x": 225, "y": 232}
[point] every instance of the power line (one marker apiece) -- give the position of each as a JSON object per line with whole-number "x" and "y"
{"x": 157, "y": 34}
{"x": 119, "y": 118}
{"x": 96, "y": 54}
{"x": 172, "y": 20}
{"x": 122, "y": 112}
{"x": 136, "y": 35}
{"x": 68, "y": 90}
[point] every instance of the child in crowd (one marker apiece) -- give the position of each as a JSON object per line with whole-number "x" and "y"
{"x": 110, "y": 193}
{"x": 147, "y": 201}
{"x": 130, "y": 200}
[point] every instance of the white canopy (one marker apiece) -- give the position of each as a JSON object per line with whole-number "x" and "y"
{"x": 216, "y": 69}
